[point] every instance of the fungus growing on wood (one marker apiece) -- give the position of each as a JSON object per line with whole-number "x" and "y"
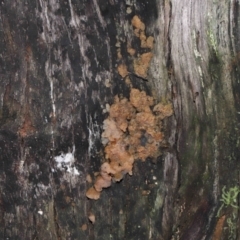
{"x": 137, "y": 23}
{"x": 140, "y": 61}
{"x": 92, "y": 218}
{"x": 132, "y": 131}
{"x": 139, "y": 31}
{"x": 141, "y": 64}
{"x": 101, "y": 183}
{"x": 122, "y": 70}
{"x": 92, "y": 193}
{"x": 163, "y": 110}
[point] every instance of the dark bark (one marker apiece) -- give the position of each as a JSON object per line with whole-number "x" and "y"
{"x": 58, "y": 71}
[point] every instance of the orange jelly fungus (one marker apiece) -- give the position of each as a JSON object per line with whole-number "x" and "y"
{"x": 132, "y": 131}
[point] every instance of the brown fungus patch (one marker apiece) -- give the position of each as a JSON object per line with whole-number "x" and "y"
{"x": 84, "y": 227}
{"x": 132, "y": 131}
{"x": 92, "y": 218}
{"x": 122, "y": 70}
{"x": 131, "y": 51}
{"x": 140, "y": 61}
{"x": 149, "y": 42}
{"x": 141, "y": 64}
{"x": 137, "y": 23}
{"x": 92, "y": 193}
{"x": 139, "y": 31}
{"x": 163, "y": 110}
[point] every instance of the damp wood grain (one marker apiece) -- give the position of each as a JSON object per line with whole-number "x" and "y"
{"x": 59, "y": 72}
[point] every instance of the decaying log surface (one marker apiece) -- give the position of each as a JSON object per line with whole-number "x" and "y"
{"x": 60, "y": 71}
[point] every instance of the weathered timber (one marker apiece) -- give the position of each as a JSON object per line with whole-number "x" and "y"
{"x": 59, "y": 70}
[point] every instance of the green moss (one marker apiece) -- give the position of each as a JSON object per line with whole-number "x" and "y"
{"x": 229, "y": 200}
{"x": 212, "y": 41}
{"x": 197, "y": 158}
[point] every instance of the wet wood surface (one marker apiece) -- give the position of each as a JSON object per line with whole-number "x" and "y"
{"x": 61, "y": 65}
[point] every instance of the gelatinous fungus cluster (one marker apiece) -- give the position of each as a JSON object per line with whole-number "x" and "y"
{"x": 141, "y": 61}
{"x": 132, "y": 131}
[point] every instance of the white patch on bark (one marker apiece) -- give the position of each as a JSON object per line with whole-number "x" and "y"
{"x": 48, "y": 72}
{"x": 53, "y": 24}
{"x": 40, "y": 212}
{"x": 99, "y": 13}
{"x": 74, "y": 19}
{"x": 94, "y": 134}
{"x": 65, "y": 162}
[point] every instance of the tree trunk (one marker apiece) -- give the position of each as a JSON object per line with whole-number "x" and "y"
{"x": 62, "y": 65}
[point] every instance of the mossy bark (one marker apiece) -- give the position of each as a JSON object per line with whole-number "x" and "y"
{"x": 59, "y": 70}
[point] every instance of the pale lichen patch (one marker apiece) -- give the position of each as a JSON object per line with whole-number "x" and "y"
{"x": 65, "y": 162}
